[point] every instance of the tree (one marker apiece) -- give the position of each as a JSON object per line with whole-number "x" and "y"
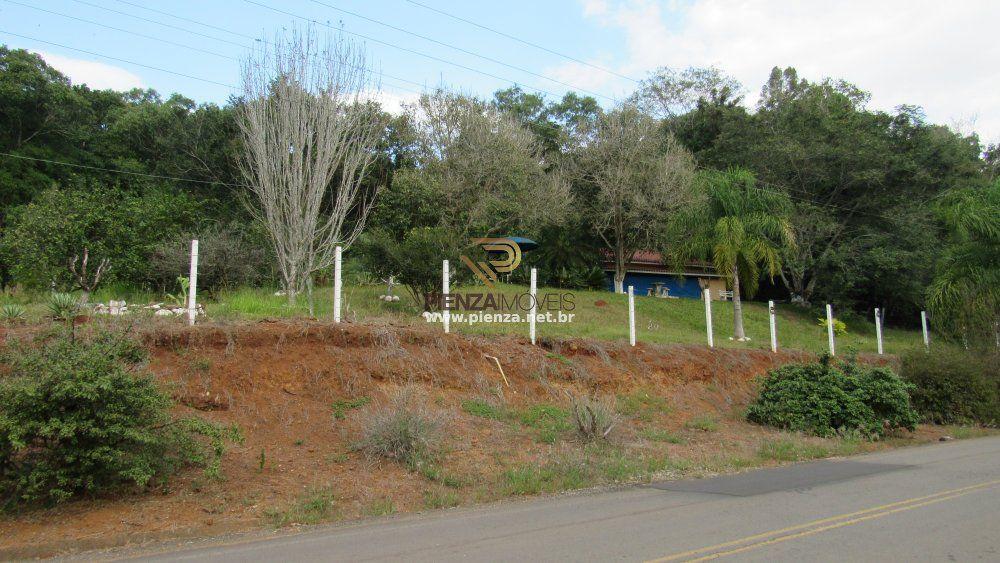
{"x": 638, "y": 178}
{"x": 309, "y": 142}
{"x": 669, "y": 92}
{"x": 964, "y": 298}
{"x": 740, "y": 227}
{"x": 479, "y": 172}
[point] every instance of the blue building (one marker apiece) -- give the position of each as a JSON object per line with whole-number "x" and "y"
{"x": 647, "y": 274}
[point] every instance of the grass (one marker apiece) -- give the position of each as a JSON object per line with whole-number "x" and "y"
{"x": 482, "y": 409}
{"x": 341, "y": 406}
{"x": 661, "y": 435}
{"x": 680, "y": 321}
{"x": 315, "y": 506}
{"x": 705, "y": 423}
{"x": 381, "y": 507}
{"x": 659, "y": 321}
{"x": 643, "y": 405}
{"x": 441, "y": 498}
{"x": 548, "y": 421}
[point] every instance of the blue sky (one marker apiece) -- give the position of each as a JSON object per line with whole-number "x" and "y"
{"x": 937, "y": 55}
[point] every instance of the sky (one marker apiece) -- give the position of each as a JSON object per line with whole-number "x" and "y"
{"x": 938, "y": 55}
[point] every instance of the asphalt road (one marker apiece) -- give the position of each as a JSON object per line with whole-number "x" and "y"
{"x": 930, "y": 503}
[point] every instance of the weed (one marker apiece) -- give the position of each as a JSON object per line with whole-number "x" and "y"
{"x": 299, "y": 442}
{"x": 642, "y": 404}
{"x": 482, "y": 409}
{"x": 559, "y": 358}
{"x": 341, "y": 406}
{"x": 553, "y": 477}
{"x": 549, "y": 421}
{"x": 403, "y": 429}
{"x": 340, "y": 457}
{"x": 594, "y": 418}
{"x": 661, "y": 435}
{"x": 705, "y": 423}
{"x": 433, "y": 472}
{"x": 315, "y": 506}
{"x": 787, "y": 450}
{"x": 441, "y": 498}
{"x": 381, "y": 507}
{"x": 261, "y": 461}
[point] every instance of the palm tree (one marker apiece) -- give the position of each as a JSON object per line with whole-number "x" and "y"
{"x": 964, "y": 297}
{"x": 741, "y": 227}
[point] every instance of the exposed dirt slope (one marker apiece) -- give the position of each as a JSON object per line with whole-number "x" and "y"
{"x": 277, "y": 382}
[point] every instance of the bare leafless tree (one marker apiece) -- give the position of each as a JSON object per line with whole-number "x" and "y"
{"x": 641, "y": 177}
{"x": 309, "y": 136}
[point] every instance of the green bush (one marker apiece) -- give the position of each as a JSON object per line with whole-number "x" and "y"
{"x": 43, "y": 236}
{"x": 79, "y": 416}
{"x": 825, "y": 399}
{"x": 954, "y": 386}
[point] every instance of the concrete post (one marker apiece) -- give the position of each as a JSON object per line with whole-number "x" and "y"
{"x": 337, "y": 287}
{"x": 708, "y": 317}
{"x": 829, "y": 329}
{"x": 631, "y": 316}
{"x": 534, "y": 304}
{"x": 774, "y": 328}
{"x": 193, "y": 283}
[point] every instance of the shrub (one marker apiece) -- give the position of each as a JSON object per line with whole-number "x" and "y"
{"x": 42, "y": 236}
{"x": 824, "y": 399}
{"x": 79, "y": 416}
{"x": 954, "y": 386}
{"x": 594, "y": 418}
{"x": 403, "y": 428}
{"x": 839, "y": 327}
{"x": 229, "y": 255}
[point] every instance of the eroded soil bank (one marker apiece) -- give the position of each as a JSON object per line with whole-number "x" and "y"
{"x": 299, "y": 391}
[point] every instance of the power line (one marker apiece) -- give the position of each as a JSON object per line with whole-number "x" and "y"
{"x": 183, "y": 45}
{"x": 167, "y": 41}
{"x": 147, "y": 20}
{"x": 210, "y": 81}
{"x": 462, "y": 50}
{"x": 98, "y": 168}
{"x": 519, "y": 40}
{"x": 189, "y": 20}
{"x": 394, "y": 46}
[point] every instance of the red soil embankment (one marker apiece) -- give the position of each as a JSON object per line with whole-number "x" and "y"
{"x": 277, "y": 381}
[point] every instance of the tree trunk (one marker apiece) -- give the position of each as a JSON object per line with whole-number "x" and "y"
{"x": 737, "y": 307}
{"x": 619, "y": 270}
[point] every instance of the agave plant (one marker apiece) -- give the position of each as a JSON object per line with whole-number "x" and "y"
{"x": 63, "y": 306}
{"x": 12, "y": 313}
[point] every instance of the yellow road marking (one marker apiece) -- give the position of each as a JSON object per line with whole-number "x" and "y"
{"x": 881, "y": 510}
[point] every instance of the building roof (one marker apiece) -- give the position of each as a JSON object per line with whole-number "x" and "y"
{"x": 651, "y": 262}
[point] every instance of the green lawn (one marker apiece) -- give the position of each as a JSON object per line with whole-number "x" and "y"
{"x": 662, "y": 321}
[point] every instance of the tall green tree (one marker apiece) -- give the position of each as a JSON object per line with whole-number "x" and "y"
{"x": 964, "y": 298}
{"x": 742, "y": 228}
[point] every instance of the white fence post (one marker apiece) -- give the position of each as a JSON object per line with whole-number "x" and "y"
{"x": 878, "y": 330}
{"x": 631, "y": 316}
{"x": 193, "y": 283}
{"x": 774, "y": 328}
{"x": 923, "y": 325}
{"x": 708, "y": 317}
{"x": 829, "y": 328}
{"x": 534, "y": 303}
{"x": 337, "y": 287}
{"x": 445, "y": 316}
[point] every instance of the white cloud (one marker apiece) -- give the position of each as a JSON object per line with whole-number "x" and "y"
{"x": 392, "y": 101}
{"x": 939, "y": 55}
{"x": 98, "y": 76}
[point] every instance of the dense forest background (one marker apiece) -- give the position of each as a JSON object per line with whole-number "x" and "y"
{"x": 135, "y": 174}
